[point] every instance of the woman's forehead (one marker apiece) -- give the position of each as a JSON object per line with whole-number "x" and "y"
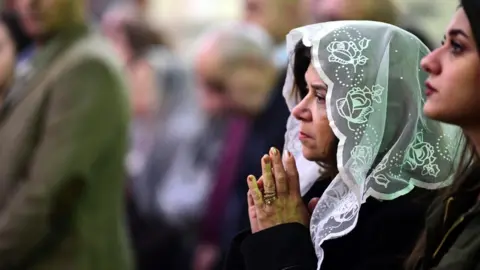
{"x": 460, "y": 21}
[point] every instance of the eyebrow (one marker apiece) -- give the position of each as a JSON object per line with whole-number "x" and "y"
{"x": 319, "y": 85}
{"x": 457, "y": 32}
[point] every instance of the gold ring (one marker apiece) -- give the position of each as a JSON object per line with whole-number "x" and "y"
{"x": 269, "y": 198}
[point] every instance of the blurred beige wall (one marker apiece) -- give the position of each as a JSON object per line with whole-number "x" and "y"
{"x": 432, "y": 15}
{"x": 184, "y": 19}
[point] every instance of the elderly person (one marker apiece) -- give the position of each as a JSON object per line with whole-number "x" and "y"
{"x": 249, "y": 76}
{"x": 234, "y": 75}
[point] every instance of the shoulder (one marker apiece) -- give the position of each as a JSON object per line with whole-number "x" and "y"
{"x": 90, "y": 64}
{"x": 463, "y": 254}
{"x": 92, "y": 53}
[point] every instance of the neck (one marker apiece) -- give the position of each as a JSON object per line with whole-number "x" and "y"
{"x": 72, "y": 18}
{"x": 473, "y": 134}
{"x": 65, "y": 30}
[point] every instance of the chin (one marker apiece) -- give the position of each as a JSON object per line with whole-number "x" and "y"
{"x": 312, "y": 155}
{"x": 433, "y": 112}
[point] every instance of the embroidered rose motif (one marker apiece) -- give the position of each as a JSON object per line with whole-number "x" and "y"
{"x": 431, "y": 169}
{"x": 346, "y": 201}
{"x": 348, "y": 52}
{"x": 419, "y": 153}
{"x": 362, "y": 160}
{"x": 356, "y": 106}
{"x": 378, "y": 176}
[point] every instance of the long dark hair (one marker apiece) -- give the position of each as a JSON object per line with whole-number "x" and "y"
{"x": 469, "y": 159}
{"x": 301, "y": 59}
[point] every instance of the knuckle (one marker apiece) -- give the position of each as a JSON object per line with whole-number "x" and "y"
{"x": 282, "y": 178}
{"x": 257, "y": 196}
{"x": 269, "y": 185}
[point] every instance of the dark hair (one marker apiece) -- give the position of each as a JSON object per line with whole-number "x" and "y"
{"x": 467, "y": 164}
{"x": 301, "y": 59}
{"x": 469, "y": 159}
{"x": 141, "y": 37}
{"x": 16, "y": 31}
{"x": 472, "y": 10}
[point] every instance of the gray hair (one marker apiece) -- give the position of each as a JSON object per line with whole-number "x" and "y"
{"x": 239, "y": 42}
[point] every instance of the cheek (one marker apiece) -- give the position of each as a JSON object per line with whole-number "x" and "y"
{"x": 323, "y": 138}
{"x": 323, "y": 132}
{"x": 457, "y": 100}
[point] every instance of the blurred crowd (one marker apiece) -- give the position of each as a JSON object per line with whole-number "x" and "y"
{"x": 196, "y": 130}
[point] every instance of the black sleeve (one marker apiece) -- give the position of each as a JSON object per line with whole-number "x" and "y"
{"x": 286, "y": 246}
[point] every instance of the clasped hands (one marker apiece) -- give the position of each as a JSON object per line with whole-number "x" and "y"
{"x": 275, "y": 198}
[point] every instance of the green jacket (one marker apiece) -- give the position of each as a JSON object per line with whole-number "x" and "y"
{"x": 63, "y": 137}
{"x": 453, "y": 230}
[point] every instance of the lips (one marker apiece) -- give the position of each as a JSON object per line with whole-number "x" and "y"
{"x": 303, "y": 136}
{"x": 429, "y": 90}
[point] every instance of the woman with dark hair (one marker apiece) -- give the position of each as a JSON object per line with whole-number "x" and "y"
{"x": 13, "y": 41}
{"x": 357, "y": 138}
{"x": 451, "y": 239}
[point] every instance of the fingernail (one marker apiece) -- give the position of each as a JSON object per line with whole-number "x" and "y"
{"x": 251, "y": 178}
{"x": 273, "y": 151}
{"x": 267, "y": 161}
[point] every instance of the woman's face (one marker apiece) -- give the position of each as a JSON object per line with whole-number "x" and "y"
{"x": 453, "y": 85}
{"x": 7, "y": 56}
{"x": 315, "y": 132}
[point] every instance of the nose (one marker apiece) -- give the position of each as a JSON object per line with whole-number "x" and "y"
{"x": 301, "y": 112}
{"x": 431, "y": 63}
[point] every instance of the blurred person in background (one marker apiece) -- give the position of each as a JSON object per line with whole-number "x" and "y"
{"x": 203, "y": 143}
{"x": 250, "y": 76}
{"x": 158, "y": 83}
{"x": 13, "y": 40}
{"x": 156, "y": 77}
{"x": 63, "y": 137}
{"x": 383, "y": 11}
{"x": 133, "y": 39}
{"x": 277, "y": 18}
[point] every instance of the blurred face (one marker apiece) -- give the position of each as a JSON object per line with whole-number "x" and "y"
{"x": 453, "y": 85}
{"x": 334, "y": 10}
{"x": 7, "y": 57}
{"x": 249, "y": 87}
{"x": 44, "y": 17}
{"x": 315, "y": 132}
{"x": 210, "y": 81}
{"x": 112, "y": 29}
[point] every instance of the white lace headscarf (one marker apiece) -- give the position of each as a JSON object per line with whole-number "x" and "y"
{"x": 375, "y": 108}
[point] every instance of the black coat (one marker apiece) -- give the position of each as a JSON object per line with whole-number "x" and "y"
{"x": 453, "y": 229}
{"x": 383, "y": 238}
